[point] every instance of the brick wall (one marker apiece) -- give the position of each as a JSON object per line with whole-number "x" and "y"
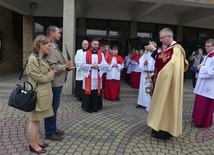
{"x": 27, "y": 36}
{"x": 11, "y": 45}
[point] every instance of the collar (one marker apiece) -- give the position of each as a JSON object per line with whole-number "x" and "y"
{"x": 55, "y": 45}
{"x": 94, "y": 52}
{"x": 210, "y": 54}
{"x": 174, "y": 42}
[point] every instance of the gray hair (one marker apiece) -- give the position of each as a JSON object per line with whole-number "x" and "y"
{"x": 211, "y": 41}
{"x": 167, "y": 31}
{"x": 50, "y": 29}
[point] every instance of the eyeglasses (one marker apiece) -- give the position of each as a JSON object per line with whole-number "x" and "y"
{"x": 206, "y": 46}
{"x": 163, "y": 37}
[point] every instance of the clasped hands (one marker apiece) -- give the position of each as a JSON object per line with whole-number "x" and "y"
{"x": 95, "y": 66}
{"x": 114, "y": 65}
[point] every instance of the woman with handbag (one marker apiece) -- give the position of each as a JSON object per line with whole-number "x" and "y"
{"x": 40, "y": 76}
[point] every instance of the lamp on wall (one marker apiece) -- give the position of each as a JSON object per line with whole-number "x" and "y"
{"x": 33, "y": 6}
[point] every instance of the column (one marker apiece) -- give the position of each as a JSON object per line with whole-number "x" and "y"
{"x": 179, "y": 33}
{"x": 82, "y": 28}
{"x": 27, "y": 36}
{"x": 133, "y": 31}
{"x": 69, "y": 36}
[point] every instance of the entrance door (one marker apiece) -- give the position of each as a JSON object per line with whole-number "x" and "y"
{"x": 121, "y": 43}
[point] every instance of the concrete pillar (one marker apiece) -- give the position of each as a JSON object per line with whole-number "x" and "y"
{"x": 28, "y": 29}
{"x": 69, "y": 36}
{"x": 82, "y": 26}
{"x": 133, "y": 29}
{"x": 179, "y": 33}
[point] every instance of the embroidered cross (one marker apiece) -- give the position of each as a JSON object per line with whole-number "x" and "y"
{"x": 207, "y": 90}
{"x": 164, "y": 57}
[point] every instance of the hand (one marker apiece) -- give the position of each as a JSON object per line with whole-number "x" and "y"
{"x": 199, "y": 67}
{"x": 68, "y": 64}
{"x": 150, "y": 47}
{"x": 147, "y": 77}
{"x": 193, "y": 52}
{"x": 114, "y": 65}
{"x": 95, "y": 66}
{"x": 54, "y": 71}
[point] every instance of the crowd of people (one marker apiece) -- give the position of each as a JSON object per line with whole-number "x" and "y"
{"x": 98, "y": 74}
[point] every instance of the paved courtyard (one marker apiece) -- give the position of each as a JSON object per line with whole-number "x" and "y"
{"x": 119, "y": 129}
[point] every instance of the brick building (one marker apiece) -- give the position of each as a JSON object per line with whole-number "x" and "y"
{"x": 126, "y": 23}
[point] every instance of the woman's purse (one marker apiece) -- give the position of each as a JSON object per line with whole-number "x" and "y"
{"x": 21, "y": 98}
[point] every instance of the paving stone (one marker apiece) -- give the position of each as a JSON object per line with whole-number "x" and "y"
{"x": 118, "y": 129}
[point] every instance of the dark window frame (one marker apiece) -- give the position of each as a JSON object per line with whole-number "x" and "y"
{"x": 1, "y": 49}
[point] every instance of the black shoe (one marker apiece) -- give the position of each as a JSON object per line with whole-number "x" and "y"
{"x": 161, "y": 134}
{"x": 118, "y": 99}
{"x": 164, "y": 138}
{"x": 59, "y": 132}
{"x": 140, "y": 106}
{"x": 54, "y": 137}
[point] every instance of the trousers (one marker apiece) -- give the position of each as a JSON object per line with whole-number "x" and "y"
{"x": 50, "y": 122}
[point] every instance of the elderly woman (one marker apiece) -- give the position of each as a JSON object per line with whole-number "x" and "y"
{"x": 40, "y": 76}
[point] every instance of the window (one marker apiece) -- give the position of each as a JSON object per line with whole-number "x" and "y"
{"x": 39, "y": 29}
{"x": 114, "y": 33}
{"x": 96, "y": 32}
{"x": 0, "y": 45}
{"x": 144, "y": 34}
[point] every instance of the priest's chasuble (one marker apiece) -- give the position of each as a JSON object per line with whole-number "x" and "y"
{"x": 167, "y": 101}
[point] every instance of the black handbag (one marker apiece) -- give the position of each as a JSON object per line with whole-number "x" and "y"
{"x": 22, "y": 98}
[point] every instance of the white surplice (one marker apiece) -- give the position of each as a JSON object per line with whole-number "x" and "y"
{"x": 205, "y": 82}
{"x": 113, "y": 73}
{"x": 86, "y": 69}
{"x": 143, "y": 98}
{"x": 129, "y": 66}
{"x": 77, "y": 59}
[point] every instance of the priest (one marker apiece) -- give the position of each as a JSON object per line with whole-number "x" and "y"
{"x": 146, "y": 64}
{"x": 93, "y": 65}
{"x": 77, "y": 59}
{"x": 165, "y": 114}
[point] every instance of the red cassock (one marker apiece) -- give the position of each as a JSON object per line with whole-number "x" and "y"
{"x": 203, "y": 111}
{"x": 135, "y": 76}
{"x": 112, "y": 86}
{"x": 112, "y": 89}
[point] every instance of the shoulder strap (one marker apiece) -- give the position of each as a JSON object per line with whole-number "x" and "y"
{"x": 20, "y": 77}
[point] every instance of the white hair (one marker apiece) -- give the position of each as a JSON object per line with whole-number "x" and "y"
{"x": 167, "y": 31}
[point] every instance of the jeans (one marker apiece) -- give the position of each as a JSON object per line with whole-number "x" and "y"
{"x": 50, "y": 122}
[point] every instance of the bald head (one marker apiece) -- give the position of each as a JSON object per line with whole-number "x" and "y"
{"x": 85, "y": 44}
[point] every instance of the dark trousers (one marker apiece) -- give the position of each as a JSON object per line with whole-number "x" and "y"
{"x": 78, "y": 89}
{"x": 193, "y": 79}
{"x": 50, "y": 122}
